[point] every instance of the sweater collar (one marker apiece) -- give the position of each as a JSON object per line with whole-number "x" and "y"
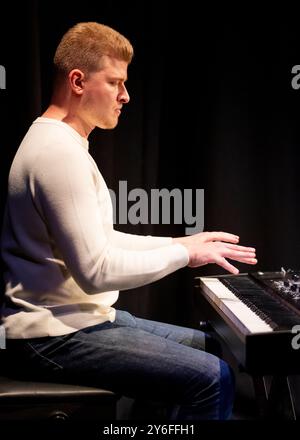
{"x": 83, "y": 141}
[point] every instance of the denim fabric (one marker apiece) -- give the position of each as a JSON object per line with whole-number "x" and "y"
{"x": 137, "y": 358}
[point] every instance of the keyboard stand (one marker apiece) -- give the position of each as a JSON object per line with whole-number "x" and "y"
{"x": 274, "y": 397}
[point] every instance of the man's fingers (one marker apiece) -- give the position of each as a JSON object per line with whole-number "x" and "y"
{"x": 237, "y": 247}
{"x": 233, "y": 253}
{"x": 219, "y": 252}
{"x": 222, "y": 236}
{"x": 242, "y": 257}
{"x": 244, "y": 260}
{"x": 227, "y": 266}
{"x": 237, "y": 254}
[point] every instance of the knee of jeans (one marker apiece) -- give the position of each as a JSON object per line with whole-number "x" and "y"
{"x": 124, "y": 319}
{"x": 227, "y": 389}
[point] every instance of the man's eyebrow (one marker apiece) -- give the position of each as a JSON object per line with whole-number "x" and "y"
{"x": 118, "y": 78}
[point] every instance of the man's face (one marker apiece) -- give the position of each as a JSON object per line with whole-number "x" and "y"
{"x": 105, "y": 94}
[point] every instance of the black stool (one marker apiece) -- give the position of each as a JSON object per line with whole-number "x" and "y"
{"x": 42, "y": 401}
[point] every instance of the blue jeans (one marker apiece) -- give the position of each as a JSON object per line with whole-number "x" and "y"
{"x": 137, "y": 358}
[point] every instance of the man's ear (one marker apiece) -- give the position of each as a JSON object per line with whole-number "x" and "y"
{"x": 76, "y": 79}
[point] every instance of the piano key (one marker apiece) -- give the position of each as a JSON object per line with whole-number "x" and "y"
{"x": 232, "y": 306}
{"x": 269, "y": 307}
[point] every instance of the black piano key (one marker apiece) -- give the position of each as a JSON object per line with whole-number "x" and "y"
{"x": 270, "y": 309}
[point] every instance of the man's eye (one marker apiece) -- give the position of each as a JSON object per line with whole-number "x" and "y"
{"x": 113, "y": 83}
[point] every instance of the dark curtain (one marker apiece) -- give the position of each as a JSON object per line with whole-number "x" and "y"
{"x": 212, "y": 107}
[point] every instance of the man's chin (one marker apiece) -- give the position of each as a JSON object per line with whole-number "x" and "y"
{"x": 108, "y": 126}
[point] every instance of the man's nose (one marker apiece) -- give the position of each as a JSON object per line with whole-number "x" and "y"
{"x": 124, "y": 96}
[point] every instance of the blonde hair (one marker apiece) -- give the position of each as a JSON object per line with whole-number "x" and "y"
{"x": 83, "y": 46}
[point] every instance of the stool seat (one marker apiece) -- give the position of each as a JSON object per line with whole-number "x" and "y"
{"x": 27, "y": 400}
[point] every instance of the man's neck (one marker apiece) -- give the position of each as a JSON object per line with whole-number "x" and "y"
{"x": 55, "y": 112}
{"x": 61, "y": 114}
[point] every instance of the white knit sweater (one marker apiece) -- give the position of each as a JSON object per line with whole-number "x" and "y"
{"x": 64, "y": 262}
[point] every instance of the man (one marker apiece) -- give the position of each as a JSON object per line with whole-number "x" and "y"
{"x": 65, "y": 263}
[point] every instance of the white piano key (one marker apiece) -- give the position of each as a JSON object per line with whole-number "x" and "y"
{"x": 239, "y": 312}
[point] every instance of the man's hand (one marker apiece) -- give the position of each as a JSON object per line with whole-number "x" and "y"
{"x": 216, "y": 247}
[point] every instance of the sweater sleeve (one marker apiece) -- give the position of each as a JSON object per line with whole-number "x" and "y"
{"x": 64, "y": 187}
{"x": 138, "y": 242}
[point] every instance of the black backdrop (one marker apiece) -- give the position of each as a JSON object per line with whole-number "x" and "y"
{"x": 212, "y": 107}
